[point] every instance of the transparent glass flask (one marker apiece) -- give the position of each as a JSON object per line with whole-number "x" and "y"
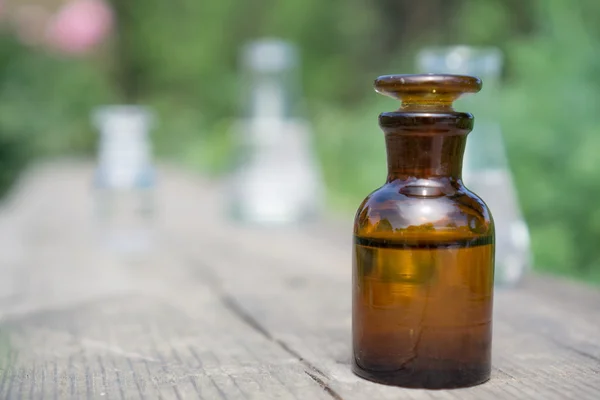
{"x": 124, "y": 179}
{"x": 276, "y": 179}
{"x": 486, "y": 170}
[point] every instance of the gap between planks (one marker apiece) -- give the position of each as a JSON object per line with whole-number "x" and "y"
{"x": 229, "y": 302}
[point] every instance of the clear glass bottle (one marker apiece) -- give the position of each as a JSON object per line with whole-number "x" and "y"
{"x": 276, "y": 178}
{"x": 423, "y": 260}
{"x": 124, "y": 179}
{"x": 486, "y": 169}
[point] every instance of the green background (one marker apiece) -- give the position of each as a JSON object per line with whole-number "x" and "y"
{"x": 181, "y": 58}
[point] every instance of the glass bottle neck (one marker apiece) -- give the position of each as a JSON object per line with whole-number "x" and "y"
{"x": 268, "y": 100}
{"x": 271, "y": 96}
{"x": 425, "y": 155}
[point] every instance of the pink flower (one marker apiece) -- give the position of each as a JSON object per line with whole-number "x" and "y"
{"x": 79, "y": 26}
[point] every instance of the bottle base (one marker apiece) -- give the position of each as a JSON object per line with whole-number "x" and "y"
{"x": 447, "y": 378}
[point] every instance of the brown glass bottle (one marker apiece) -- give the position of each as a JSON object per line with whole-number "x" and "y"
{"x": 423, "y": 248}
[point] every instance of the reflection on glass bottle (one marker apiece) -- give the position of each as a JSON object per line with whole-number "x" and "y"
{"x": 486, "y": 168}
{"x": 124, "y": 178}
{"x": 276, "y": 179}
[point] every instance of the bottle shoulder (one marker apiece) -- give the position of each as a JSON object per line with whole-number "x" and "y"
{"x": 406, "y": 212}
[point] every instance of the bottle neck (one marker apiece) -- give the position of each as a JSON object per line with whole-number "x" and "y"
{"x": 425, "y": 145}
{"x": 268, "y": 100}
{"x": 272, "y": 96}
{"x": 425, "y": 156}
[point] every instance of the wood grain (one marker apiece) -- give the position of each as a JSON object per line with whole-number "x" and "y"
{"x": 221, "y": 311}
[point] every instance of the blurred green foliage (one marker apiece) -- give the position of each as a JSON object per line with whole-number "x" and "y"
{"x": 181, "y": 58}
{"x": 44, "y": 106}
{"x": 552, "y": 126}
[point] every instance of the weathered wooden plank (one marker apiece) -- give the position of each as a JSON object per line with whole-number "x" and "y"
{"x": 316, "y": 326}
{"x": 90, "y": 325}
{"x": 140, "y": 346}
{"x": 295, "y": 288}
{"x": 222, "y": 311}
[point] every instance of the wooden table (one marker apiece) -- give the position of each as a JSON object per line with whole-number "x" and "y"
{"x": 217, "y": 311}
